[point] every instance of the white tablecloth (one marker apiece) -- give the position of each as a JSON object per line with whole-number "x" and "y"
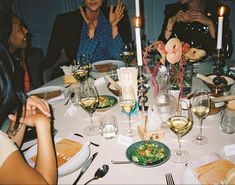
{"x": 111, "y": 150}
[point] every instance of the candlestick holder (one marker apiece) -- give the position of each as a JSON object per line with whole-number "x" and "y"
{"x": 219, "y": 63}
{"x": 142, "y": 90}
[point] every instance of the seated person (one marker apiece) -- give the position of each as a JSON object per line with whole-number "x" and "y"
{"x": 94, "y": 30}
{"x": 26, "y": 58}
{"x": 195, "y": 22}
{"x": 32, "y": 112}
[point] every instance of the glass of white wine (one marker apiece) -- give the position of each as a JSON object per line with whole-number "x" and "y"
{"x": 200, "y": 108}
{"x": 127, "y": 103}
{"x": 88, "y": 100}
{"x": 180, "y": 123}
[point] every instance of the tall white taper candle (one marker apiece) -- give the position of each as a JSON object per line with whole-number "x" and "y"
{"x": 220, "y": 28}
{"x": 137, "y": 8}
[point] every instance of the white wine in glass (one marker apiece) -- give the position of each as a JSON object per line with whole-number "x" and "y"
{"x": 88, "y": 100}
{"x": 200, "y": 108}
{"x": 180, "y": 124}
{"x": 127, "y": 103}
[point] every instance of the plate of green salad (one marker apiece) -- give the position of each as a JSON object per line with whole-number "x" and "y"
{"x": 148, "y": 153}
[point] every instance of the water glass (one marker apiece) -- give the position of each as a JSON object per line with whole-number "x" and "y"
{"x": 227, "y": 122}
{"x": 108, "y": 126}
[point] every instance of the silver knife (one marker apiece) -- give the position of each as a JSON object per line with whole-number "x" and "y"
{"x": 85, "y": 167}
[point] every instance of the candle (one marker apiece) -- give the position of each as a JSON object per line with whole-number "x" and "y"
{"x": 138, "y": 42}
{"x": 220, "y": 28}
{"x": 137, "y": 8}
{"x": 138, "y": 47}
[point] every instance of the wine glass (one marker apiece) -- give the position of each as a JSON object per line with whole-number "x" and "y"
{"x": 180, "y": 123}
{"x": 82, "y": 68}
{"x": 127, "y": 103}
{"x": 127, "y": 54}
{"x": 165, "y": 105}
{"x": 88, "y": 100}
{"x": 200, "y": 108}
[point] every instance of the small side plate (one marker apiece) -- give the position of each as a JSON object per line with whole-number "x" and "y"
{"x": 106, "y": 102}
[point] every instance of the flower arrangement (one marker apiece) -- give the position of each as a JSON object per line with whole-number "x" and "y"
{"x": 178, "y": 54}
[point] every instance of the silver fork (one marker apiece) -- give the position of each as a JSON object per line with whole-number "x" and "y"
{"x": 169, "y": 179}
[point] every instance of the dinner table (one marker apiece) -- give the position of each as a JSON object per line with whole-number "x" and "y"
{"x": 112, "y": 149}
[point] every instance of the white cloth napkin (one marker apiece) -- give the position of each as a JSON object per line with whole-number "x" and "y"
{"x": 154, "y": 120}
{"x": 67, "y": 69}
{"x": 128, "y": 77}
{"x": 209, "y": 158}
{"x": 99, "y": 82}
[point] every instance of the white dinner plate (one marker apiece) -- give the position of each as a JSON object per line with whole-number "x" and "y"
{"x": 70, "y": 166}
{"x": 117, "y": 63}
{"x": 61, "y": 97}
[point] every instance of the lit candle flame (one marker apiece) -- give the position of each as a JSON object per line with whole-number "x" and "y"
{"x": 137, "y": 22}
{"x": 221, "y": 11}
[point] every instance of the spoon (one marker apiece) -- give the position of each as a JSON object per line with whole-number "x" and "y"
{"x": 100, "y": 172}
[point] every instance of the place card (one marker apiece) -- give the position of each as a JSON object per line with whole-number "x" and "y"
{"x": 229, "y": 150}
{"x": 72, "y": 110}
{"x": 124, "y": 140}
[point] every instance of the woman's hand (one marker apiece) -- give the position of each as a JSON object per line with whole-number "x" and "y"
{"x": 115, "y": 16}
{"x": 90, "y": 24}
{"x": 34, "y": 106}
{"x": 200, "y": 17}
{"x": 34, "y": 103}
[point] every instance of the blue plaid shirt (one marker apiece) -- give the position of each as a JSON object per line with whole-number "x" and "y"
{"x": 102, "y": 46}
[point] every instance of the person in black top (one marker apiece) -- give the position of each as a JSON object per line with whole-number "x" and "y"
{"x": 68, "y": 31}
{"x": 195, "y": 22}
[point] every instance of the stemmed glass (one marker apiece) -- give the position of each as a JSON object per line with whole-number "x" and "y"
{"x": 128, "y": 53}
{"x": 200, "y": 108}
{"x": 165, "y": 105}
{"x": 180, "y": 123}
{"x": 82, "y": 68}
{"x": 88, "y": 100}
{"x": 127, "y": 103}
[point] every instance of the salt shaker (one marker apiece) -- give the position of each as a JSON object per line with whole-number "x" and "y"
{"x": 227, "y": 122}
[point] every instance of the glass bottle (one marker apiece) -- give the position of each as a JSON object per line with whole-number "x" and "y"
{"x": 227, "y": 122}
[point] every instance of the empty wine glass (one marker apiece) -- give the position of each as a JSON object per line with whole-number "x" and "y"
{"x": 200, "y": 108}
{"x": 180, "y": 123}
{"x": 165, "y": 105}
{"x": 88, "y": 100}
{"x": 127, "y": 103}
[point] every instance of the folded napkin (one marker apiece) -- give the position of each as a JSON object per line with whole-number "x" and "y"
{"x": 128, "y": 77}
{"x": 67, "y": 69}
{"x": 230, "y": 179}
{"x": 210, "y": 169}
{"x": 99, "y": 82}
{"x": 65, "y": 150}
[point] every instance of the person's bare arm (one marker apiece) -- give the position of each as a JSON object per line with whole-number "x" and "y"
{"x": 115, "y": 16}
{"x": 16, "y": 170}
{"x": 33, "y": 104}
{"x": 181, "y": 16}
{"x": 203, "y": 19}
